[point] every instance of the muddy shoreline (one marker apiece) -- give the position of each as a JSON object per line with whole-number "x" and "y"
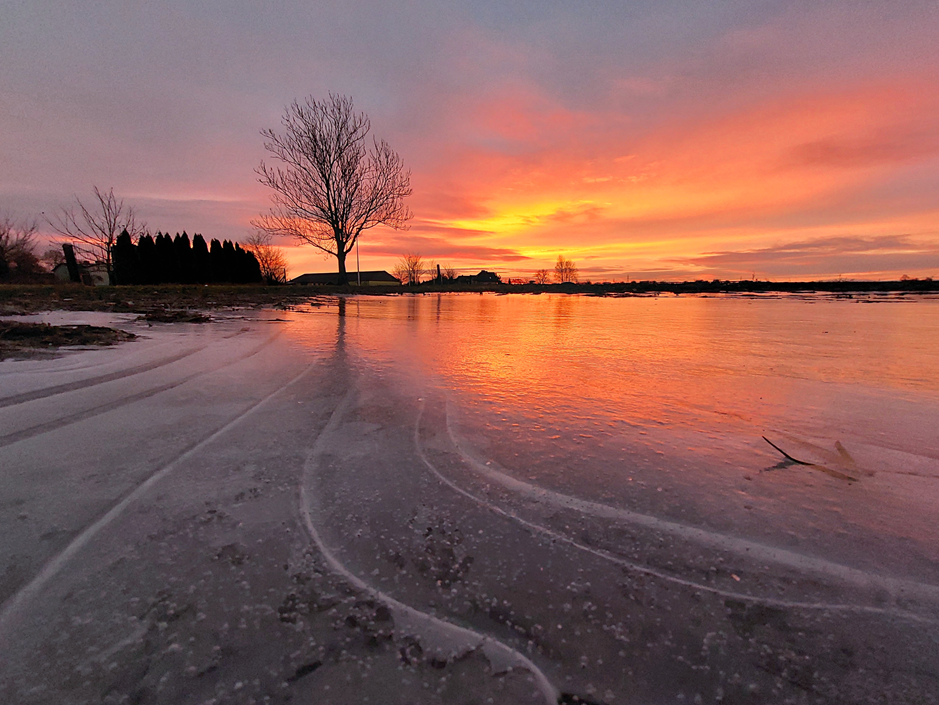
{"x": 25, "y": 298}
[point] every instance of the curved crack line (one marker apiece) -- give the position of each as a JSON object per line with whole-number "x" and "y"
{"x": 630, "y": 565}
{"x": 713, "y": 539}
{"x": 62, "y": 422}
{"x": 459, "y": 640}
{"x": 19, "y": 600}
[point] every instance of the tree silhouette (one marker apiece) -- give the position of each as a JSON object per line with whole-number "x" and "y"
{"x": 18, "y": 248}
{"x": 229, "y": 262}
{"x": 565, "y": 270}
{"x": 409, "y": 269}
{"x": 183, "y": 251}
{"x": 200, "y": 260}
{"x": 147, "y": 260}
{"x": 167, "y": 269}
{"x": 332, "y": 185}
{"x": 216, "y": 261}
{"x": 270, "y": 258}
{"x": 126, "y": 260}
{"x": 95, "y": 228}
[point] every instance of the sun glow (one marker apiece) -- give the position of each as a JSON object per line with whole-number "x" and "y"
{"x": 810, "y": 164}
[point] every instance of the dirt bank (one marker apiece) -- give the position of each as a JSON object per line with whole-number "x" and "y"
{"x": 23, "y": 338}
{"x": 21, "y": 299}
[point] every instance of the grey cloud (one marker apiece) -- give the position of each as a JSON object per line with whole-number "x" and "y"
{"x": 826, "y": 256}
{"x": 898, "y": 145}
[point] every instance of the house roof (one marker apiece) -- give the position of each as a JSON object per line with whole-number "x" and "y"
{"x": 326, "y": 278}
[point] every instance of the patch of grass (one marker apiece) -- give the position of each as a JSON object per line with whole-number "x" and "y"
{"x": 22, "y": 299}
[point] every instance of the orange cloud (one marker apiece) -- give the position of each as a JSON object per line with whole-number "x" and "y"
{"x": 537, "y": 179}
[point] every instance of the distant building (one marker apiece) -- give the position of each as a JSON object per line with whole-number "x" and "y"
{"x": 92, "y": 274}
{"x": 484, "y": 277}
{"x": 376, "y": 278}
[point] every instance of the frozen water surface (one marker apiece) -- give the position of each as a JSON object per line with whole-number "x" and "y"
{"x": 469, "y": 498}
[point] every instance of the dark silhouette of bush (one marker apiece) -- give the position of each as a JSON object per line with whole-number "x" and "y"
{"x": 126, "y": 260}
{"x": 18, "y": 250}
{"x": 216, "y": 261}
{"x": 187, "y": 271}
{"x": 202, "y": 268}
{"x": 229, "y": 264}
{"x": 146, "y": 260}
{"x": 167, "y": 269}
{"x": 249, "y": 267}
{"x": 169, "y": 260}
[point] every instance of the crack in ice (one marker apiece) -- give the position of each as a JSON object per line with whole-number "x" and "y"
{"x": 437, "y": 633}
{"x": 17, "y": 602}
{"x": 713, "y": 539}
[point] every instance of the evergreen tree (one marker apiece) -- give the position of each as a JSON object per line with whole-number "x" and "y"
{"x": 229, "y": 261}
{"x": 217, "y": 261}
{"x": 160, "y": 259}
{"x": 126, "y": 266}
{"x": 247, "y": 269}
{"x": 202, "y": 268}
{"x": 252, "y": 267}
{"x": 183, "y": 250}
{"x": 167, "y": 268}
{"x": 146, "y": 260}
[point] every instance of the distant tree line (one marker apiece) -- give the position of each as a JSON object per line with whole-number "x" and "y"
{"x": 165, "y": 259}
{"x": 412, "y": 269}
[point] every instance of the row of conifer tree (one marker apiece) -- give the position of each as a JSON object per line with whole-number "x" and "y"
{"x": 165, "y": 259}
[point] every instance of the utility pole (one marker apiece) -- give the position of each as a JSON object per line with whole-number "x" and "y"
{"x": 358, "y": 268}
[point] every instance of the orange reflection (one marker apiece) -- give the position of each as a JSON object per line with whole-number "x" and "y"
{"x": 586, "y": 395}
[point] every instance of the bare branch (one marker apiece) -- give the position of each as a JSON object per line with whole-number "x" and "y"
{"x": 565, "y": 270}
{"x": 542, "y": 276}
{"x": 270, "y": 257}
{"x": 17, "y": 247}
{"x": 329, "y": 185}
{"x": 409, "y": 269}
{"x": 94, "y": 228}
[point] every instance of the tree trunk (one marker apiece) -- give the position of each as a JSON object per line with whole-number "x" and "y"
{"x": 343, "y": 276}
{"x": 110, "y": 264}
{"x": 70, "y": 262}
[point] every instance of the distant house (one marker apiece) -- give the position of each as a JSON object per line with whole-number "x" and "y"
{"x": 484, "y": 277}
{"x": 92, "y": 274}
{"x": 376, "y": 278}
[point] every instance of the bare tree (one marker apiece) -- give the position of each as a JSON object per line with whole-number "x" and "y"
{"x": 449, "y": 273}
{"x": 94, "y": 228}
{"x": 52, "y": 257}
{"x": 565, "y": 270}
{"x": 17, "y": 248}
{"x": 409, "y": 269}
{"x": 542, "y": 276}
{"x": 332, "y": 185}
{"x": 270, "y": 257}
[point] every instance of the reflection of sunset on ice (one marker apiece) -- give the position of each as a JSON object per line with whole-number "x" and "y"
{"x": 524, "y": 499}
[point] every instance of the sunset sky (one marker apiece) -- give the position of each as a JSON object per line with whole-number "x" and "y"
{"x": 650, "y": 140}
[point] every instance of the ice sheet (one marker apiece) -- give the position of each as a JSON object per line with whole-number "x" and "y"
{"x": 423, "y": 499}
